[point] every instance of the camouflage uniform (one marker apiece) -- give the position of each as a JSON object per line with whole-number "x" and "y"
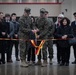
{"x": 50, "y": 36}
{"x": 42, "y": 24}
{"x": 24, "y": 29}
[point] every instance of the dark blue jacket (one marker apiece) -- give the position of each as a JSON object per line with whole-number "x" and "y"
{"x": 73, "y": 25}
{"x": 14, "y": 28}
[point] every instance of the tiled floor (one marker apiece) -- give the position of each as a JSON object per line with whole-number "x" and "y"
{"x": 15, "y": 69}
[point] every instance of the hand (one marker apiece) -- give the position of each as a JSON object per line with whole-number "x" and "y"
{"x": 16, "y": 35}
{"x": 34, "y": 31}
{"x": 37, "y": 30}
{"x": 64, "y": 37}
{"x": 8, "y": 36}
{"x": 3, "y": 33}
{"x": 38, "y": 37}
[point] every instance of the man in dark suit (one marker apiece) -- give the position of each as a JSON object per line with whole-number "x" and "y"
{"x": 14, "y": 28}
{"x": 7, "y": 23}
{"x": 73, "y": 25}
{"x": 3, "y": 34}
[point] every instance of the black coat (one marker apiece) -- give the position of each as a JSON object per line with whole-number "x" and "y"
{"x": 73, "y": 25}
{"x": 3, "y": 28}
{"x": 64, "y": 30}
{"x": 7, "y": 24}
{"x": 56, "y": 27}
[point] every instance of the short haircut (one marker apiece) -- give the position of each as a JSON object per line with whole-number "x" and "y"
{"x": 13, "y": 14}
{"x": 27, "y": 10}
{"x": 74, "y": 13}
{"x": 65, "y": 18}
{"x": 1, "y": 12}
{"x": 7, "y": 15}
{"x": 46, "y": 12}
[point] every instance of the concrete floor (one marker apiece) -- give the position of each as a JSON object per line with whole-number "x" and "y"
{"x": 15, "y": 69}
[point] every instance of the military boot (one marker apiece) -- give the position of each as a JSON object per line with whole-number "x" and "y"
{"x": 24, "y": 64}
{"x": 38, "y": 62}
{"x": 44, "y": 64}
{"x": 50, "y": 62}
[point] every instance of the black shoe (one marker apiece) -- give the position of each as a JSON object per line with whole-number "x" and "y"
{"x": 0, "y": 62}
{"x": 62, "y": 64}
{"x": 74, "y": 62}
{"x": 58, "y": 63}
{"x": 9, "y": 61}
{"x": 51, "y": 63}
{"x": 67, "y": 64}
{"x": 3, "y": 62}
{"x": 17, "y": 59}
{"x": 33, "y": 63}
{"x": 38, "y": 63}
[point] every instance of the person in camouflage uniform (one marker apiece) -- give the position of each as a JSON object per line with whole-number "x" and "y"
{"x": 42, "y": 24}
{"x": 24, "y": 29}
{"x": 50, "y": 37}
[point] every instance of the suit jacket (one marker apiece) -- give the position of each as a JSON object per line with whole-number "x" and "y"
{"x": 7, "y": 24}
{"x": 14, "y": 28}
{"x": 73, "y": 25}
{"x": 3, "y": 28}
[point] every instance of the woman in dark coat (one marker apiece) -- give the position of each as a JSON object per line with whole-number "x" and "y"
{"x": 57, "y": 24}
{"x": 64, "y": 32}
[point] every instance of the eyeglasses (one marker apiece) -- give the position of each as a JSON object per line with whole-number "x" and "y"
{"x": 59, "y": 17}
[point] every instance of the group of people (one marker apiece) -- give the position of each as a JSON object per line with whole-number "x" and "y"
{"x": 20, "y": 33}
{"x": 64, "y": 31}
{"x": 41, "y": 29}
{"x": 9, "y": 28}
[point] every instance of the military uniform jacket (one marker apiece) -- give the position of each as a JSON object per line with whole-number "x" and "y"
{"x": 43, "y": 25}
{"x": 25, "y": 27}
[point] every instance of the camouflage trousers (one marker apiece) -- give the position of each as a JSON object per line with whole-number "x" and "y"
{"x": 23, "y": 50}
{"x": 43, "y": 51}
{"x": 50, "y": 48}
{"x": 49, "y": 45}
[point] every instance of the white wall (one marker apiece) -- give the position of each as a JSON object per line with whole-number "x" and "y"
{"x": 70, "y": 5}
{"x": 54, "y": 9}
{"x": 67, "y": 4}
{"x": 73, "y": 8}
